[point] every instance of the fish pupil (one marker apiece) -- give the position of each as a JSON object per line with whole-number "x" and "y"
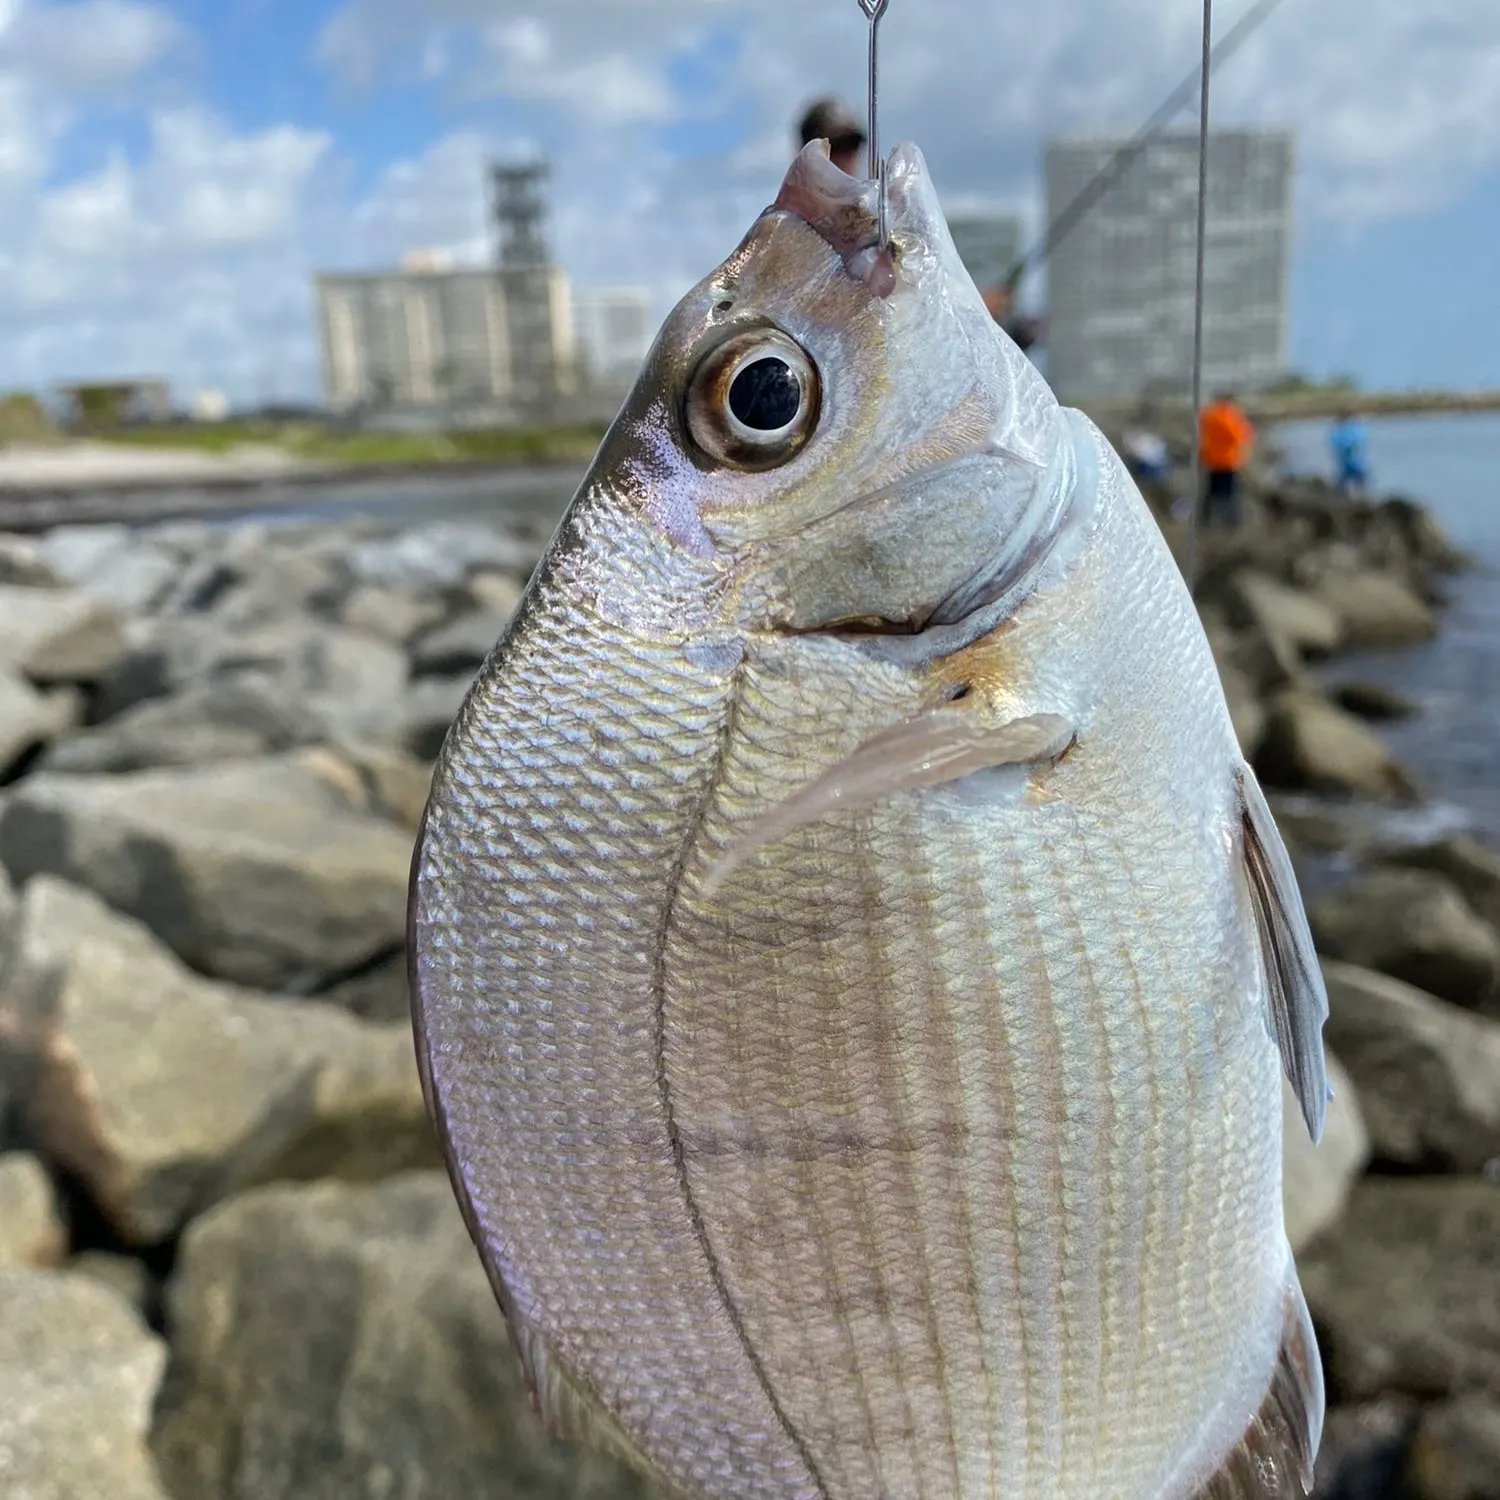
{"x": 766, "y": 396}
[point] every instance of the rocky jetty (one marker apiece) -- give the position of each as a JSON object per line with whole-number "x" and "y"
{"x": 229, "y": 1263}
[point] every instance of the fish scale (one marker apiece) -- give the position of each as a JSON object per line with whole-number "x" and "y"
{"x": 852, "y": 962}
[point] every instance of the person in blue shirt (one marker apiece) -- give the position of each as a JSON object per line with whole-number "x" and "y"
{"x": 1350, "y": 466}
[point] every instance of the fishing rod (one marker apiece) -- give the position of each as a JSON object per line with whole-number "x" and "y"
{"x": 1071, "y": 216}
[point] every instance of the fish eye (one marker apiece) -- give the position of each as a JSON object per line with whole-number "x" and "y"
{"x": 754, "y": 400}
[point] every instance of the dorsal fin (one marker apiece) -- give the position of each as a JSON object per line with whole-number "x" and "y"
{"x": 1299, "y": 1002}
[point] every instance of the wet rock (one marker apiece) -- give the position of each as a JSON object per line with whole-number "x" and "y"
{"x": 78, "y": 1375}
{"x": 27, "y": 719}
{"x": 1309, "y": 744}
{"x": 1375, "y": 610}
{"x": 253, "y": 871}
{"x": 1372, "y": 700}
{"x": 329, "y": 1342}
{"x": 162, "y": 1092}
{"x": 1407, "y": 1294}
{"x": 58, "y": 635}
{"x": 392, "y": 614}
{"x": 31, "y": 1227}
{"x": 1456, "y": 1452}
{"x": 1315, "y": 1180}
{"x": 1474, "y": 869}
{"x": 431, "y": 706}
{"x": 460, "y": 646}
{"x": 1428, "y": 1073}
{"x": 1414, "y": 925}
{"x": 1286, "y": 614}
{"x": 1363, "y": 1452}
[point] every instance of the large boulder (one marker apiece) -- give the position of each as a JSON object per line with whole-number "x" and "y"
{"x": 329, "y": 1342}
{"x": 1316, "y": 1180}
{"x": 1428, "y": 1073}
{"x": 1473, "y": 868}
{"x": 253, "y": 871}
{"x": 429, "y": 709}
{"x": 1287, "y": 614}
{"x": 78, "y": 1375}
{"x": 1311, "y": 745}
{"x": 393, "y": 614}
{"x": 28, "y": 719}
{"x": 1406, "y": 1294}
{"x": 1375, "y": 610}
{"x": 460, "y": 646}
{"x": 162, "y": 1092}
{"x": 1374, "y": 701}
{"x": 58, "y": 635}
{"x": 442, "y": 555}
{"x": 1414, "y": 925}
{"x": 1455, "y": 1454}
{"x": 31, "y": 1227}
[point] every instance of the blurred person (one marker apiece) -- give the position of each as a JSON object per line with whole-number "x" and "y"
{"x": 1146, "y": 454}
{"x": 1226, "y": 439}
{"x": 833, "y": 121}
{"x": 1348, "y": 439}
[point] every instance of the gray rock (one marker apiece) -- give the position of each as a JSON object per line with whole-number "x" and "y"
{"x": 459, "y": 647}
{"x": 163, "y": 1092}
{"x": 1406, "y": 1295}
{"x": 396, "y": 785}
{"x": 23, "y": 561}
{"x": 1309, "y": 744}
{"x": 253, "y": 871}
{"x": 497, "y": 593}
{"x": 330, "y": 1342}
{"x": 132, "y": 579}
{"x": 1428, "y": 1073}
{"x": 440, "y": 556}
{"x": 74, "y": 552}
{"x": 1372, "y": 700}
{"x": 1286, "y": 614}
{"x": 1363, "y": 1452}
{"x": 381, "y": 993}
{"x": 78, "y": 1374}
{"x": 1316, "y": 1180}
{"x": 128, "y": 1278}
{"x": 1474, "y": 869}
{"x": 1414, "y": 925}
{"x": 31, "y": 1227}
{"x": 58, "y": 635}
{"x": 27, "y": 719}
{"x": 1375, "y": 610}
{"x": 431, "y": 705}
{"x": 1455, "y": 1454}
{"x": 391, "y": 614}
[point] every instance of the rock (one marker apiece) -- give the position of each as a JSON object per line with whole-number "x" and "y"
{"x": 27, "y": 720}
{"x": 23, "y": 561}
{"x": 58, "y": 635}
{"x": 440, "y": 556}
{"x": 128, "y": 1278}
{"x": 252, "y": 871}
{"x": 1456, "y": 1452}
{"x": 1375, "y": 610}
{"x": 1474, "y": 869}
{"x": 329, "y": 1342}
{"x": 1407, "y": 1294}
{"x": 380, "y": 993}
{"x": 206, "y": 721}
{"x": 431, "y": 706}
{"x": 497, "y": 593}
{"x": 162, "y": 1092}
{"x": 74, "y": 552}
{"x": 396, "y": 785}
{"x": 78, "y": 1374}
{"x": 459, "y": 647}
{"x": 1315, "y": 1180}
{"x": 133, "y": 577}
{"x": 1428, "y": 1074}
{"x": 1310, "y": 744}
{"x": 31, "y": 1228}
{"x": 1245, "y": 712}
{"x": 392, "y": 614}
{"x": 1414, "y": 925}
{"x": 1371, "y": 700}
{"x": 1363, "y": 1452}
{"x": 1283, "y": 613}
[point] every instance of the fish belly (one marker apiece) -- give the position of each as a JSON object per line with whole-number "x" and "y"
{"x": 980, "y": 1116}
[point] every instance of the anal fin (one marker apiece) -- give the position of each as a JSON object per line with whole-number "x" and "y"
{"x": 1274, "y": 1459}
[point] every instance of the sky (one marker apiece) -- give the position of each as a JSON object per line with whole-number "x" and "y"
{"x": 172, "y": 172}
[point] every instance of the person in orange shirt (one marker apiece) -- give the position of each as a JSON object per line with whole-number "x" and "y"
{"x": 1226, "y": 439}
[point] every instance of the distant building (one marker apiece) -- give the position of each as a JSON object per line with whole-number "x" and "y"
{"x": 988, "y": 244}
{"x": 114, "y": 403}
{"x": 615, "y": 330}
{"x": 1121, "y": 285}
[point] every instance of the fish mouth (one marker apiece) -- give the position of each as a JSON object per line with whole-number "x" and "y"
{"x": 845, "y": 210}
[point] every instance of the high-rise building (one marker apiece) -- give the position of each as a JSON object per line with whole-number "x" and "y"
{"x": 615, "y": 329}
{"x": 988, "y": 245}
{"x": 1121, "y": 285}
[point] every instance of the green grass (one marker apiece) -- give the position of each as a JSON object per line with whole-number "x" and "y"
{"x": 325, "y": 445}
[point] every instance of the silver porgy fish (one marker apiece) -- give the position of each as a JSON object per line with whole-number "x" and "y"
{"x": 849, "y": 950}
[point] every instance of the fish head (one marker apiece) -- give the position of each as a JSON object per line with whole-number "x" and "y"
{"x": 794, "y": 416}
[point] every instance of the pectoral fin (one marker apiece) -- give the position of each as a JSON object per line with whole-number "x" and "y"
{"x": 935, "y": 747}
{"x": 1299, "y": 1002}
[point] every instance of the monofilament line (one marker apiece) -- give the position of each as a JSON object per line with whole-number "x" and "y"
{"x": 874, "y": 13}
{"x": 1198, "y": 293}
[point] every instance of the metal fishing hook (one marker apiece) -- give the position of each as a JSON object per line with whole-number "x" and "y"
{"x": 874, "y": 11}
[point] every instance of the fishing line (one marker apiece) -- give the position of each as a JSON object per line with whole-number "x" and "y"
{"x": 875, "y": 13}
{"x": 1198, "y": 289}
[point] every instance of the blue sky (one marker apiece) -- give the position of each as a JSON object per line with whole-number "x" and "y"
{"x": 172, "y": 171}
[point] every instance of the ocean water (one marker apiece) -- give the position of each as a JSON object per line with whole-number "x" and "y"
{"x": 1452, "y": 465}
